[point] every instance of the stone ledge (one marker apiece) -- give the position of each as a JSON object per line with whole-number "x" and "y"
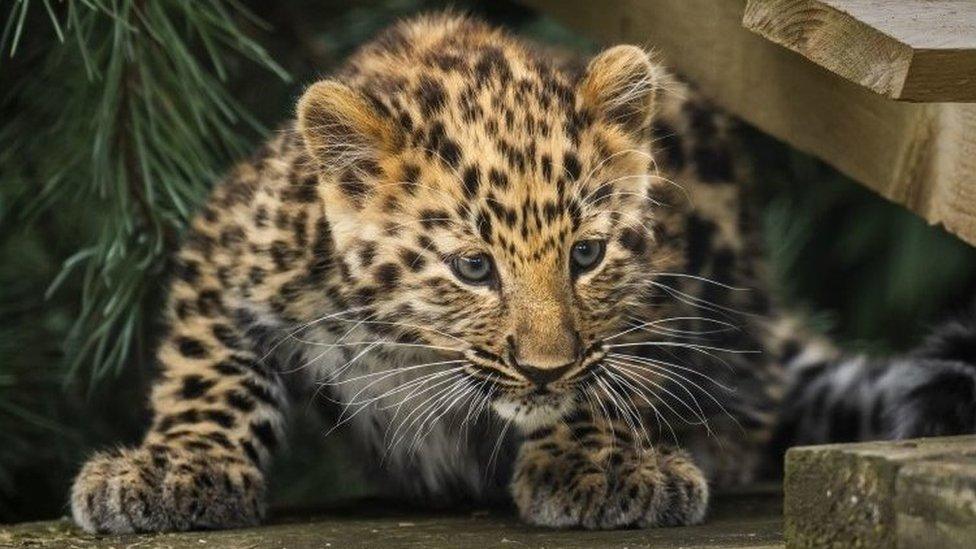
{"x": 747, "y": 519}
{"x": 911, "y": 494}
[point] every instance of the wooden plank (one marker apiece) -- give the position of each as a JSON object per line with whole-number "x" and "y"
{"x": 908, "y": 494}
{"x": 936, "y": 504}
{"x": 911, "y": 50}
{"x": 922, "y": 156}
{"x": 750, "y": 518}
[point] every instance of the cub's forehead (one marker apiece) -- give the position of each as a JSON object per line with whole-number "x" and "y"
{"x": 505, "y": 120}
{"x": 505, "y": 102}
{"x": 477, "y": 132}
{"x": 500, "y": 144}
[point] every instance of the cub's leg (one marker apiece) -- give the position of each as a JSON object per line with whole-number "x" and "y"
{"x": 217, "y": 417}
{"x": 595, "y": 475}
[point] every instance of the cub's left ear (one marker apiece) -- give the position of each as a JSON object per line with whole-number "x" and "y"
{"x": 620, "y": 85}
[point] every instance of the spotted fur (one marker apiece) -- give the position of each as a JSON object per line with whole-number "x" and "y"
{"x": 326, "y": 265}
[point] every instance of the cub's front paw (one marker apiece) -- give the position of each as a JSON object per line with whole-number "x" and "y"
{"x": 560, "y": 487}
{"x": 159, "y": 488}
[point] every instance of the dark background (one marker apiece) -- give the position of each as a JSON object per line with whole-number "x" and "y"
{"x": 84, "y": 235}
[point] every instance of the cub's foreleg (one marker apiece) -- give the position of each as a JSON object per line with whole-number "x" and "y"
{"x": 589, "y": 473}
{"x": 217, "y": 418}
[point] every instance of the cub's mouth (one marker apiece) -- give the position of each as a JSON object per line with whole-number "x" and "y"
{"x": 530, "y": 405}
{"x": 537, "y": 408}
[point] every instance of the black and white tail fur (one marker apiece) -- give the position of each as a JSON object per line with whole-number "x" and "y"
{"x": 930, "y": 391}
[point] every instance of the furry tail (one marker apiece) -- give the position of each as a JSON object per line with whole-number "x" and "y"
{"x": 931, "y": 391}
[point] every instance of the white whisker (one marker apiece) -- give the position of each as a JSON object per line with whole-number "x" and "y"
{"x": 657, "y": 413}
{"x": 700, "y": 411}
{"x": 657, "y": 368}
{"x": 693, "y": 346}
{"x": 643, "y": 380}
{"x": 669, "y": 365}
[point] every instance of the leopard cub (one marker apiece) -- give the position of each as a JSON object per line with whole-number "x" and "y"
{"x": 513, "y": 274}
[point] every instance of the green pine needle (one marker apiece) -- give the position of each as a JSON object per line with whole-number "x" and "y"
{"x": 137, "y": 126}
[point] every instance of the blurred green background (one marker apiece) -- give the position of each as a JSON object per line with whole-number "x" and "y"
{"x": 116, "y": 115}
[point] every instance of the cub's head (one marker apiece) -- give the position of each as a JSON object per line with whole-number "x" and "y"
{"x": 495, "y": 206}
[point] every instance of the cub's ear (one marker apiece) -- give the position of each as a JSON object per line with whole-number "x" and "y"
{"x": 620, "y": 85}
{"x": 341, "y": 126}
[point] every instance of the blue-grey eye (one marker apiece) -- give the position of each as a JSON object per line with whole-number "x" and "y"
{"x": 473, "y": 269}
{"x": 586, "y": 254}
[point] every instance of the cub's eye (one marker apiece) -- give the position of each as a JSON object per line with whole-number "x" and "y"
{"x": 586, "y": 254}
{"x": 473, "y": 269}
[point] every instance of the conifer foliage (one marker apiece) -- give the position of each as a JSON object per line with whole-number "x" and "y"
{"x": 135, "y": 124}
{"x": 114, "y": 120}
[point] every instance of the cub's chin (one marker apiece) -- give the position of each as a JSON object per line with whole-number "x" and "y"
{"x": 534, "y": 408}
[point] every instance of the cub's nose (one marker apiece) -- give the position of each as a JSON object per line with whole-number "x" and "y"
{"x": 543, "y": 376}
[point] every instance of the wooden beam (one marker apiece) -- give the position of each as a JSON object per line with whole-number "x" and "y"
{"x": 922, "y": 156}
{"x": 911, "y": 50}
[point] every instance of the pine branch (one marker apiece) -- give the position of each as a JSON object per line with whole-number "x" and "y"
{"x": 127, "y": 121}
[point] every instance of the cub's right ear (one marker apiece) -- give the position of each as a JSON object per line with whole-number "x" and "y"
{"x": 620, "y": 84}
{"x": 341, "y": 126}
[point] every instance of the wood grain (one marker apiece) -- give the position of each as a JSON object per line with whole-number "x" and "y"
{"x": 921, "y": 155}
{"x": 910, "y": 50}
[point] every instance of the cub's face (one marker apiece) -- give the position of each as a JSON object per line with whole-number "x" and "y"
{"x": 505, "y": 220}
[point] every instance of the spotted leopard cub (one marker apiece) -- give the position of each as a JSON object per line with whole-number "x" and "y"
{"x": 514, "y": 277}
{"x": 452, "y": 199}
